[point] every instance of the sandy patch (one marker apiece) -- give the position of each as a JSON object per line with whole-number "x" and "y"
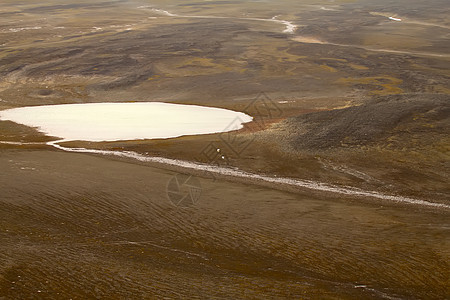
{"x": 308, "y": 40}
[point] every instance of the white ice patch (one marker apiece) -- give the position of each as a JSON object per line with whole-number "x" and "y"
{"x": 164, "y": 12}
{"x": 395, "y": 19}
{"x": 23, "y": 28}
{"x": 124, "y": 121}
{"x": 289, "y": 26}
{"x": 327, "y": 8}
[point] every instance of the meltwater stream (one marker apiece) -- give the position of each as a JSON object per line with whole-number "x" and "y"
{"x": 233, "y": 172}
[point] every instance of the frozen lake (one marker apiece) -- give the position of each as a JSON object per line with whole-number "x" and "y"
{"x": 125, "y": 121}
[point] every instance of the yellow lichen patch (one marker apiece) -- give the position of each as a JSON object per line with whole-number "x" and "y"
{"x": 400, "y": 39}
{"x": 8, "y": 52}
{"x": 441, "y": 89}
{"x": 346, "y": 104}
{"x": 437, "y": 70}
{"x": 154, "y": 77}
{"x": 357, "y": 67}
{"x": 273, "y": 52}
{"x": 307, "y": 40}
{"x": 334, "y": 59}
{"x": 194, "y": 66}
{"x": 388, "y": 84}
{"x": 198, "y": 62}
{"x": 423, "y": 121}
{"x": 328, "y": 68}
{"x": 418, "y": 117}
{"x": 275, "y": 58}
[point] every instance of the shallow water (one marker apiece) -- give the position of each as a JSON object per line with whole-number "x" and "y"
{"x": 125, "y": 121}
